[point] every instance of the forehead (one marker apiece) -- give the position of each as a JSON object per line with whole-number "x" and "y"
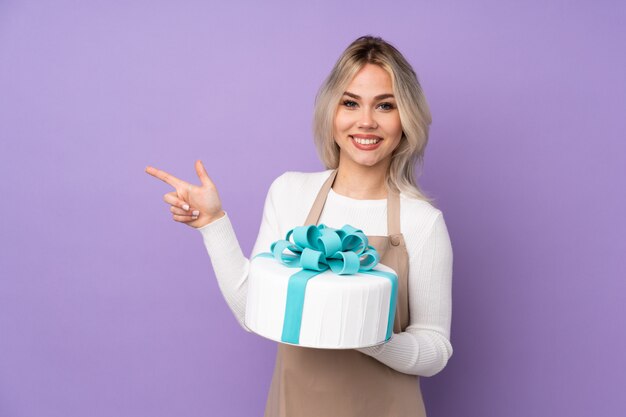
{"x": 371, "y": 79}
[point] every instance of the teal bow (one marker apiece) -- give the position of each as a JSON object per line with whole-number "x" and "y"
{"x": 344, "y": 251}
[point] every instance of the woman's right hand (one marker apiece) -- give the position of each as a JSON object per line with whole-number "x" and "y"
{"x": 193, "y": 205}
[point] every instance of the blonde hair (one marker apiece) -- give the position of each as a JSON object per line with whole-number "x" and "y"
{"x": 414, "y": 112}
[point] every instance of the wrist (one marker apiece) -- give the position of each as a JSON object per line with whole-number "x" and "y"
{"x": 208, "y": 219}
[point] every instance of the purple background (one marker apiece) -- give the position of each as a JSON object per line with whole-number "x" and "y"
{"x": 109, "y": 308}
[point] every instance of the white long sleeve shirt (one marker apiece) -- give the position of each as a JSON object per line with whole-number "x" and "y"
{"x": 424, "y": 347}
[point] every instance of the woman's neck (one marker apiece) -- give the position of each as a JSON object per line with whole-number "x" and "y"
{"x": 361, "y": 182}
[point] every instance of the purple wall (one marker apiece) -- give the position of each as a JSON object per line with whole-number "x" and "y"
{"x": 109, "y": 308}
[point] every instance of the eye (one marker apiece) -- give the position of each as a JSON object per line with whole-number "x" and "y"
{"x": 349, "y": 103}
{"x": 386, "y": 106}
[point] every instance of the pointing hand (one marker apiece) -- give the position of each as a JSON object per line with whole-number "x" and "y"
{"x": 193, "y": 205}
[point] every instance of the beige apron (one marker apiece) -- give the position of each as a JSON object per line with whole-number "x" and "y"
{"x": 347, "y": 383}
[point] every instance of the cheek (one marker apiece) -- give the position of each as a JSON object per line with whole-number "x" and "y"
{"x": 396, "y": 133}
{"x": 396, "y": 128}
{"x": 342, "y": 121}
{"x": 397, "y": 143}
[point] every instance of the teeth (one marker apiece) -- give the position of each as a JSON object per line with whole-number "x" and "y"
{"x": 365, "y": 141}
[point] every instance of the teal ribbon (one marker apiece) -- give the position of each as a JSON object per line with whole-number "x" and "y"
{"x": 316, "y": 249}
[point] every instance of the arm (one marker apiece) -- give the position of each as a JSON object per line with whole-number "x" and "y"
{"x": 229, "y": 263}
{"x": 424, "y": 347}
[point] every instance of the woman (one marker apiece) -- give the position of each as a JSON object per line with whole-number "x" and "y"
{"x": 371, "y": 128}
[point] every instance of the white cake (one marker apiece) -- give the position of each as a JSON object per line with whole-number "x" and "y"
{"x": 338, "y": 312}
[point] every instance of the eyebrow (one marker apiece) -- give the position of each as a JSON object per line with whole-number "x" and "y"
{"x": 379, "y": 97}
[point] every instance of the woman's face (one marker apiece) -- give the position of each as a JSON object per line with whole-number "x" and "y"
{"x": 367, "y": 124}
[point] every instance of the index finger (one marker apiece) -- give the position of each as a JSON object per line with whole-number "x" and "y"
{"x": 165, "y": 177}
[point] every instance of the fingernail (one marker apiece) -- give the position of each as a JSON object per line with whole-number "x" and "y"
{"x": 194, "y": 217}
{"x": 185, "y": 206}
{"x": 196, "y": 213}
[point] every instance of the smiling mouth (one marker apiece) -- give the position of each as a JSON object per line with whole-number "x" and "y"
{"x": 366, "y": 141}
{"x": 366, "y": 144}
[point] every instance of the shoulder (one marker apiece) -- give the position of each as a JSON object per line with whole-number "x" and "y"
{"x": 292, "y": 194}
{"x": 418, "y": 215}
{"x": 415, "y": 207}
{"x": 423, "y": 226}
{"x": 299, "y": 182}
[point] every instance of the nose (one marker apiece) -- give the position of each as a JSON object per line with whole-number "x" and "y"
{"x": 367, "y": 121}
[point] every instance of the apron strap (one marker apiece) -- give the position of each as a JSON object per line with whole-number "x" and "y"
{"x": 393, "y": 213}
{"x": 320, "y": 200}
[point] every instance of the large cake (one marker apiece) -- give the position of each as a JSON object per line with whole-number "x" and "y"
{"x": 325, "y": 289}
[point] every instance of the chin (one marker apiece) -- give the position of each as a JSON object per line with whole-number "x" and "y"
{"x": 368, "y": 163}
{"x": 359, "y": 160}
